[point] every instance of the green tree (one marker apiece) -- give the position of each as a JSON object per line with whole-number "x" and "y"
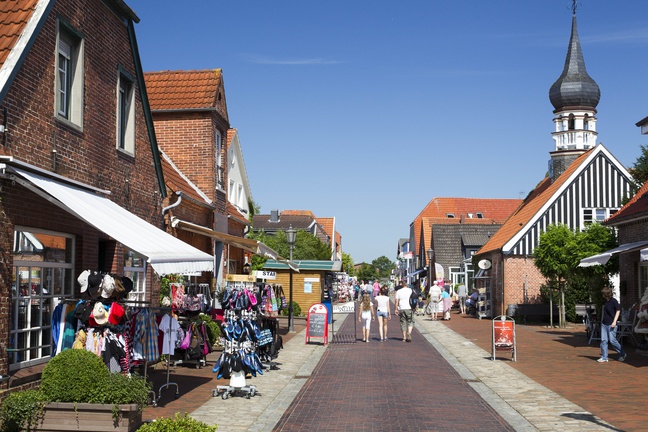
{"x": 307, "y": 247}
{"x": 367, "y": 272}
{"x": 640, "y": 168}
{"x": 347, "y": 264}
{"x": 558, "y": 255}
{"x": 384, "y": 266}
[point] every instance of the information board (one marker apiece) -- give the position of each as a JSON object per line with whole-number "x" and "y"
{"x": 504, "y": 336}
{"x": 317, "y": 323}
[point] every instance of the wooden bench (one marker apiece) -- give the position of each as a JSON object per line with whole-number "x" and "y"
{"x": 536, "y": 311}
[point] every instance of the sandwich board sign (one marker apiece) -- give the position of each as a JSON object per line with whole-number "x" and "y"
{"x": 317, "y": 323}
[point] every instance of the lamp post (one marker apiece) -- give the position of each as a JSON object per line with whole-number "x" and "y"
{"x": 431, "y": 275}
{"x": 291, "y": 235}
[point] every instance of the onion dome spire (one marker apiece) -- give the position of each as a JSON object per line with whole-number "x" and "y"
{"x": 574, "y": 88}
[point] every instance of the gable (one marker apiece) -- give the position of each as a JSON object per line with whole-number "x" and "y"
{"x": 594, "y": 180}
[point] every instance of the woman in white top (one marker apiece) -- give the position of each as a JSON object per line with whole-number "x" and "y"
{"x": 366, "y": 316}
{"x": 383, "y": 311}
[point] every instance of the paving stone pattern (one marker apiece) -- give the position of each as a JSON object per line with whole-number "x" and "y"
{"x": 388, "y": 386}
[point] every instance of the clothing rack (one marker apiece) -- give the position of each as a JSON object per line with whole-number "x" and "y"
{"x": 168, "y": 383}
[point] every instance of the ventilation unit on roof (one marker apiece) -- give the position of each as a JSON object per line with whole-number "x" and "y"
{"x": 274, "y": 216}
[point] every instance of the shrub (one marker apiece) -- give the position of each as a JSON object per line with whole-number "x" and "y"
{"x": 296, "y": 310}
{"x": 74, "y": 376}
{"x": 177, "y": 424}
{"x": 212, "y": 327}
{"x": 20, "y": 410}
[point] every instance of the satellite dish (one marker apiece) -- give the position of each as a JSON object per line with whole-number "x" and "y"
{"x": 484, "y": 264}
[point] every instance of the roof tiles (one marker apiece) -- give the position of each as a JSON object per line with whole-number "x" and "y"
{"x": 182, "y": 90}
{"x": 15, "y": 15}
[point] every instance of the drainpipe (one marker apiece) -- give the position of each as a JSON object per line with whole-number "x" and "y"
{"x": 170, "y": 206}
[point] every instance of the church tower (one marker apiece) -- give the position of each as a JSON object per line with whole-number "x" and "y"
{"x": 574, "y": 97}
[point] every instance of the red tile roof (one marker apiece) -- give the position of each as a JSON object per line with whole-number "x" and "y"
{"x": 184, "y": 90}
{"x": 327, "y": 225}
{"x": 493, "y": 209}
{"x": 637, "y": 207}
{"x": 235, "y": 214}
{"x": 297, "y": 213}
{"x": 531, "y": 206}
{"x": 15, "y": 15}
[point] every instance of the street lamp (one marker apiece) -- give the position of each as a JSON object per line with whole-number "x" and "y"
{"x": 291, "y": 235}
{"x": 431, "y": 278}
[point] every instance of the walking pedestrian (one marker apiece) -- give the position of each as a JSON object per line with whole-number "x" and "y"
{"x": 435, "y": 298}
{"x": 447, "y": 303}
{"x": 462, "y": 292}
{"x": 366, "y": 316}
{"x": 383, "y": 311}
{"x": 404, "y": 311}
{"x": 376, "y": 289}
{"x": 610, "y": 315}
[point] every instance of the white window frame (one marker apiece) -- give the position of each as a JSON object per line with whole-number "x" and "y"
{"x": 69, "y": 82}
{"x": 125, "y": 113}
{"x": 596, "y": 214}
{"x": 135, "y": 269}
{"x": 48, "y": 283}
{"x": 220, "y": 174}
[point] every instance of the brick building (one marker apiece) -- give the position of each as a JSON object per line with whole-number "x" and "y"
{"x": 81, "y": 183}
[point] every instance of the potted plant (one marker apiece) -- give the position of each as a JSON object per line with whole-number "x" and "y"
{"x": 76, "y": 386}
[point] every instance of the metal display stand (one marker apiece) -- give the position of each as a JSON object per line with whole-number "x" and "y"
{"x": 237, "y": 386}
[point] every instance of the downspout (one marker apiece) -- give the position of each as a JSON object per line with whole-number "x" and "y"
{"x": 169, "y": 207}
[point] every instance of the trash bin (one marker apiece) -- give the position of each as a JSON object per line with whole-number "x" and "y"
{"x": 511, "y": 310}
{"x": 329, "y": 306}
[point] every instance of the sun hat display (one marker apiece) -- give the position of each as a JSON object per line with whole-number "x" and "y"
{"x": 116, "y": 313}
{"x": 128, "y": 284}
{"x": 107, "y": 286}
{"x": 99, "y": 314}
{"x": 83, "y": 280}
{"x": 94, "y": 283}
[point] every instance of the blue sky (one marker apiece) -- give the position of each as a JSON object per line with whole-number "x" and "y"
{"x": 365, "y": 110}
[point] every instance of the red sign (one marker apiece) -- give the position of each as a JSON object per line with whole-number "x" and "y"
{"x": 503, "y": 334}
{"x": 317, "y": 323}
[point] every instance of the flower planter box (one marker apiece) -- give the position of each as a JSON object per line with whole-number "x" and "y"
{"x": 58, "y": 416}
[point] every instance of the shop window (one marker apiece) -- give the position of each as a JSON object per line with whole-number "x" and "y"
{"x": 125, "y": 114}
{"x": 42, "y": 278}
{"x": 69, "y": 76}
{"x": 135, "y": 269}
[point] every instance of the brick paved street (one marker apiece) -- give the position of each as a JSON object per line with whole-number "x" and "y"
{"x": 387, "y": 386}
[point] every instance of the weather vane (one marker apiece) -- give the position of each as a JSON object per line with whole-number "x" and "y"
{"x": 574, "y": 6}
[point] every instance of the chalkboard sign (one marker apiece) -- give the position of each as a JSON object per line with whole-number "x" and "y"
{"x": 317, "y": 323}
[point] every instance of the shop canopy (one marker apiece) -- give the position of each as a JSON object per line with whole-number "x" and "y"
{"x": 253, "y": 246}
{"x": 604, "y": 257}
{"x": 165, "y": 253}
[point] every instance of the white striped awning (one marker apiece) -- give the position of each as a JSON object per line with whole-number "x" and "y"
{"x": 165, "y": 253}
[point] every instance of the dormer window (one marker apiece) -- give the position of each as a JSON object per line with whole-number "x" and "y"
{"x": 450, "y": 215}
{"x": 479, "y": 215}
